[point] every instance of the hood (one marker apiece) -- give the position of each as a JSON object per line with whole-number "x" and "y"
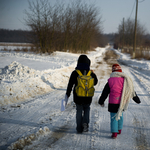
{"x": 84, "y": 59}
{"x": 83, "y": 63}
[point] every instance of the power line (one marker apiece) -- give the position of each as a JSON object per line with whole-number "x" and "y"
{"x": 141, "y": 1}
{"x": 132, "y": 8}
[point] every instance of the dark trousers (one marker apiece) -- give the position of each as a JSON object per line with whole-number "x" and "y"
{"x": 82, "y": 115}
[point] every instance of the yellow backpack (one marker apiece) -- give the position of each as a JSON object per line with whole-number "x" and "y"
{"x": 85, "y": 85}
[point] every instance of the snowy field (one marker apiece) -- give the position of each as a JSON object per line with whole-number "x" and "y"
{"x": 32, "y": 87}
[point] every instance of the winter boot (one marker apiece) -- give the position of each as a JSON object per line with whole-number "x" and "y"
{"x": 119, "y": 131}
{"x": 79, "y": 132}
{"x": 85, "y": 127}
{"x": 114, "y": 135}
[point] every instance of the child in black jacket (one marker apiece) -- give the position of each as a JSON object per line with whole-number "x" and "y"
{"x": 82, "y": 103}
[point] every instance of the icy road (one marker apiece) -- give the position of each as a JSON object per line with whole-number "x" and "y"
{"x": 38, "y": 123}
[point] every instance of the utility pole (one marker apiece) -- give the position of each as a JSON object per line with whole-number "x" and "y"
{"x": 134, "y": 45}
{"x": 123, "y": 37}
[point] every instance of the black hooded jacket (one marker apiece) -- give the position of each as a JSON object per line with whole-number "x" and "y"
{"x": 83, "y": 65}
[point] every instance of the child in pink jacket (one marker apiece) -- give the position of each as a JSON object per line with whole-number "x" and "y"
{"x": 120, "y": 90}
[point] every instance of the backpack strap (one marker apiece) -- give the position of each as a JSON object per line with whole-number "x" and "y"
{"x": 79, "y": 72}
{"x": 89, "y": 73}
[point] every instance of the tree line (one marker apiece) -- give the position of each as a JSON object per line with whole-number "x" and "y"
{"x": 75, "y": 27}
{"x": 125, "y": 35}
{"x": 15, "y": 36}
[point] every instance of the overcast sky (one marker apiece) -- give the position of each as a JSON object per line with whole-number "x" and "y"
{"x": 112, "y": 11}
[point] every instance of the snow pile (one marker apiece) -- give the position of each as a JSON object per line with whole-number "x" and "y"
{"x": 57, "y": 78}
{"x": 16, "y": 71}
{"x": 22, "y": 142}
{"x": 19, "y": 83}
{"x": 126, "y": 60}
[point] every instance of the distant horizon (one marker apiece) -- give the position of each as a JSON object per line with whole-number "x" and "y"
{"x": 31, "y": 30}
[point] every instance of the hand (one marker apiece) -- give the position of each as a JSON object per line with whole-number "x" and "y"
{"x": 92, "y": 71}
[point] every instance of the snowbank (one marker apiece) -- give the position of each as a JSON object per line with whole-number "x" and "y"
{"x": 20, "y": 83}
{"x": 126, "y": 60}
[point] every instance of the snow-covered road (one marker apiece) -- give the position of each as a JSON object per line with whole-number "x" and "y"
{"x": 39, "y": 124}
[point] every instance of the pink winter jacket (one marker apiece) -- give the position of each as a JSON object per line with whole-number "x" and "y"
{"x": 116, "y": 87}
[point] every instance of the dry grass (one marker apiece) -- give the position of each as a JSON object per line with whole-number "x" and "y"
{"x": 139, "y": 53}
{"x": 17, "y": 44}
{"x": 27, "y": 47}
{"x": 110, "y": 57}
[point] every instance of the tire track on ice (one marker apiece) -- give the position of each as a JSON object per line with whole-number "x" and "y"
{"x": 140, "y": 113}
{"x": 29, "y": 120}
{"x": 61, "y": 130}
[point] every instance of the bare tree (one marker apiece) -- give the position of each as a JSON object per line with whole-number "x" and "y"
{"x": 58, "y": 27}
{"x": 126, "y": 32}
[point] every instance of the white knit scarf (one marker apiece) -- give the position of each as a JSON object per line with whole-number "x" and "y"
{"x": 127, "y": 92}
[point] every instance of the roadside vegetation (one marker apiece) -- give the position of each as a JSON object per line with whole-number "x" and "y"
{"x": 124, "y": 39}
{"x": 76, "y": 27}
